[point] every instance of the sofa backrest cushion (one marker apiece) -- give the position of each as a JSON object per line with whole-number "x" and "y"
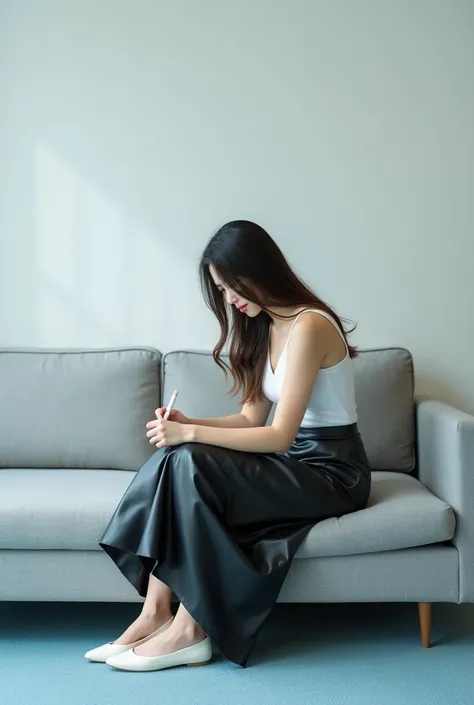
{"x": 77, "y": 408}
{"x": 384, "y": 396}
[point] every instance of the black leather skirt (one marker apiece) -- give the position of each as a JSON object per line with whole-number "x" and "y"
{"x": 221, "y": 527}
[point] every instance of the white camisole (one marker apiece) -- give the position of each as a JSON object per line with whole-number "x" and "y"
{"x": 332, "y": 401}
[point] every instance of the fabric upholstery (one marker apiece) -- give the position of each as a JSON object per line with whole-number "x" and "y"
{"x": 426, "y": 574}
{"x": 77, "y": 409}
{"x": 384, "y": 396}
{"x": 52, "y": 509}
{"x": 61, "y": 481}
{"x": 446, "y": 466}
{"x": 401, "y": 513}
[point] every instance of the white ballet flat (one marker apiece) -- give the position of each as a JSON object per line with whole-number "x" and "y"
{"x": 197, "y": 655}
{"x": 102, "y": 653}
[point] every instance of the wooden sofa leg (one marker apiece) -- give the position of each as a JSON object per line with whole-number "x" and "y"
{"x": 424, "y": 611}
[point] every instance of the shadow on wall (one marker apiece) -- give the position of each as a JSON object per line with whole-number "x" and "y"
{"x": 430, "y": 387}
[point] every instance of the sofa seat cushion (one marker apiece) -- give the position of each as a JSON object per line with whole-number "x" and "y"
{"x": 400, "y": 513}
{"x": 43, "y": 508}
{"x": 57, "y": 509}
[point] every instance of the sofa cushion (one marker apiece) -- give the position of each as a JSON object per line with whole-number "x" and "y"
{"x": 384, "y": 396}
{"x": 53, "y": 509}
{"x": 77, "y": 408}
{"x": 400, "y": 513}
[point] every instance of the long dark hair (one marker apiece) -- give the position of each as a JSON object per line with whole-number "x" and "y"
{"x": 249, "y": 261}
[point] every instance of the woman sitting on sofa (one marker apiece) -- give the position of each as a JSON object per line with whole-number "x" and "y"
{"x": 216, "y": 515}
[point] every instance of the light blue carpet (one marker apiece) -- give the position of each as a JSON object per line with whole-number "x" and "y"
{"x": 311, "y": 654}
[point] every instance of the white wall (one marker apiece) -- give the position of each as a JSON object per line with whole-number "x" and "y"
{"x": 131, "y": 130}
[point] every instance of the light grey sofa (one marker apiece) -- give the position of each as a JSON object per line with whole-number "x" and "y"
{"x": 72, "y": 436}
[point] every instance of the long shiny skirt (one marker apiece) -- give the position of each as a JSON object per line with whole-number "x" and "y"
{"x": 221, "y": 527}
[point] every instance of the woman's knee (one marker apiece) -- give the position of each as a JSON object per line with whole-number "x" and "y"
{"x": 199, "y": 461}
{"x": 186, "y": 457}
{"x": 188, "y": 450}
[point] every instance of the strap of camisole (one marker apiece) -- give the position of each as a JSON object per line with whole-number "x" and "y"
{"x": 322, "y": 313}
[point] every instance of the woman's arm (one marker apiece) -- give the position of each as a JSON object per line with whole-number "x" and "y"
{"x": 179, "y": 428}
{"x": 306, "y": 350}
{"x": 234, "y": 421}
{"x": 251, "y": 415}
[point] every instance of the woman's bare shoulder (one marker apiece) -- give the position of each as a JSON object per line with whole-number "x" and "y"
{"x": 316, "y": 330}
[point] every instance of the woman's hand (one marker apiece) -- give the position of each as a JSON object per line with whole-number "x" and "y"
{"x": 167, "y": 433}
{"x": 175, "y": 415}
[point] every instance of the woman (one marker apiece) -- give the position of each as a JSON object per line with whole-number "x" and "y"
{"x": 217, "y": 514}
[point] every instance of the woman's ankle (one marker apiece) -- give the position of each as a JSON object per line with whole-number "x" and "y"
{"x": 156, "y": 612}
{"x": 193, "y": 632}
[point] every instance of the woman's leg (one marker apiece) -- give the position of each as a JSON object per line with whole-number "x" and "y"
{"x": 184, "y": 631}
{"x": 158, "y": 598}
{"x": 156, "y": 610}
{"x": 221, "y": 528}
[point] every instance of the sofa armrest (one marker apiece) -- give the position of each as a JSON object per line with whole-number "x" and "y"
{"x": 446, "y": 467}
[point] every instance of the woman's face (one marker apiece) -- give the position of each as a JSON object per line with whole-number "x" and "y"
{"x": 233, "y": 299}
